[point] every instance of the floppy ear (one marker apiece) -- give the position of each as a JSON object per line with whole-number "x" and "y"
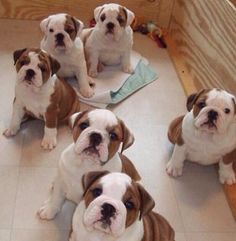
{"x": 44, "y": 24}
{"x": 128, "y": 138}
{"x": 17, "y": 54}
{"x": 78, "y": 25}
{"x": 55, "y": 65}
{"x": 89, "y": 178}
{"x": 97, "y": 12}
{"x": 130, "y": 16}
{"x": 193, "y": 98}
{"x": 146, "y": 201}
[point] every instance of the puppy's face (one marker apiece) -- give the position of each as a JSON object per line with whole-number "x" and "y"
{"x": 112, "y": 19}
{"x": 98, "y": 135}
{"x": 113, "y": 202}
{"x": 34, "y": 67}
{"x": 213, "y": 110}
{"x": 60, "y": 31}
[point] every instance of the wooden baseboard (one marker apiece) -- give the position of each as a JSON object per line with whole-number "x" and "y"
{"x": 189, "y": 88}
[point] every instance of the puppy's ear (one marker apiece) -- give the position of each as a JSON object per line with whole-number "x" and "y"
{"x": 89, "y": 178}
{"x": 17, "y": 54}
{"x": 130, "y": 16}
{"x": 146, "y": 201}
{"x": 55, "y": 65}
{"x": 128, "y": 138}
{"x": 44, "y": 24}
{"x": 97, "y": 12}
{"x": 193, "y": 98}
{"x": 79, "y": 25}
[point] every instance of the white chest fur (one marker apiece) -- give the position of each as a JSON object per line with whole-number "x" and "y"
{"x": 72, "y": 169}
{"x": 206, "y": 148}
{"x": 35, "y": 101}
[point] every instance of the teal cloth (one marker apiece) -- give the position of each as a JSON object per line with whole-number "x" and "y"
{"x": 142, "y": 76}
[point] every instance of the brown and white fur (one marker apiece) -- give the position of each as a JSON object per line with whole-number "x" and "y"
{"x": 39, "y": 93}
{"x": 62, "y": 41}
{"x": 110, "y": 41}
{"x": 97, "y": 137}
{"x": 206, "y": 134}
{"x": 116, "y": 208}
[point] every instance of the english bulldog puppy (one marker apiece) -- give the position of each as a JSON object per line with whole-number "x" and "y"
{"x": 97, "y": 137}
{"x": 39, "y": 93}
{"x": 62, "y": 41}
{"x": 206, "y": 134}
{"x": 116, "y": 208}
{"x": 110, "y": 41}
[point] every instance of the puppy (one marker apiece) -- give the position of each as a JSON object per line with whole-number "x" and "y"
{"x": 61, "y": 40}
{"x": 97, "y": 136}
{"x": 110, "y": 41}
{"x": 206, "y": 134}
{"x": 116, "y": 208}
{"x": 39, "y": 93}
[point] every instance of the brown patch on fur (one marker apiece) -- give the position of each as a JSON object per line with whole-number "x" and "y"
{"x": 157, "y": 228}
{"x": 122, "y": 16}
{"x": 83, "y": 117}
{"x": 129, "y": 168}
{"x": 194, "y": 97}
{"x": 230, "y": 157}
{"x": 64, "y": 102}
{"x": 175, "y": 131}
{"x": 71, "y": 26}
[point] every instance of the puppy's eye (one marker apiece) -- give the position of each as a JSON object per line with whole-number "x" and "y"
{"x": 120, "y": 19}
{"x": 201, "y": 105}
{"x": 22, "y": 62}
{"x": 83, "y": 125}
{"x": 43, "y": 68}
{"x": 103, "y": 17}
{"x": 51, "y": 30}
{"x": 113, "y": 136}
{"x": 69, "y": 30}
{"x": 227, "y": 110}
{"x": 129, "y": 205}
{"x": 96, "y": 192}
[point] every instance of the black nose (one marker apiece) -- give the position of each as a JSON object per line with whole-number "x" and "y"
{"x": 95, "y": 139}
{"x": 59, "y": 37}
{"x": 110, "y": 25}
{"x": 212, "y": 115}
{"x": 29, "y": 74}
{"x": 108, "y": 210}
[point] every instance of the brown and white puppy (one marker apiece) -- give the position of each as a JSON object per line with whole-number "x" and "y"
{"x": 110, "y": 41}
{"x": 97, "y": 136}
{"x": 206, "y": 134}
{"x": 116, "y": 208}
{"x": 62, "y": 41}
{"x": 39, "y": 93}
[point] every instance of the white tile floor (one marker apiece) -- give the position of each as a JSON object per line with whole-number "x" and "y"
{"x": 194, "y": 204}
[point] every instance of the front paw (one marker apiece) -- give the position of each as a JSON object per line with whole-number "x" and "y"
{"x": 86, "y": 92}
{"x": 47, "y": 212}
{"x": 128, "y": 69}
{"x": 227, "y": 176}
{"x": 10, "y": 132}
{"x": 173, "y": 169}
{"x": 93, "y": 73}
{"x": 49, "y": 142}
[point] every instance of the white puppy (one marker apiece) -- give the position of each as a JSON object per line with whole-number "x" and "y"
{"x": 62, "y": 41}
{"x": 116, "y": 208}
{"x": 110, "y": 41}
{"x": 206, "y": 134}
{"x": 97, "y": 136}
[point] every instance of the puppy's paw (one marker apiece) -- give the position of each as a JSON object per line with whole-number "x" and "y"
{"x": 227, "y": 177}
{"x": 174, "y": 170}
{"x": 86, "y": 92}
{"x": 10, "y": 132}
{"x": 128, "y": 69}
{"x": 49, "y": 142}
{"x": 93, "y": 73}
{"x": 47, "y": 212}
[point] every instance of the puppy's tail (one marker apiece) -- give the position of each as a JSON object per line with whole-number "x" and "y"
{"x": 175, "y": 131}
